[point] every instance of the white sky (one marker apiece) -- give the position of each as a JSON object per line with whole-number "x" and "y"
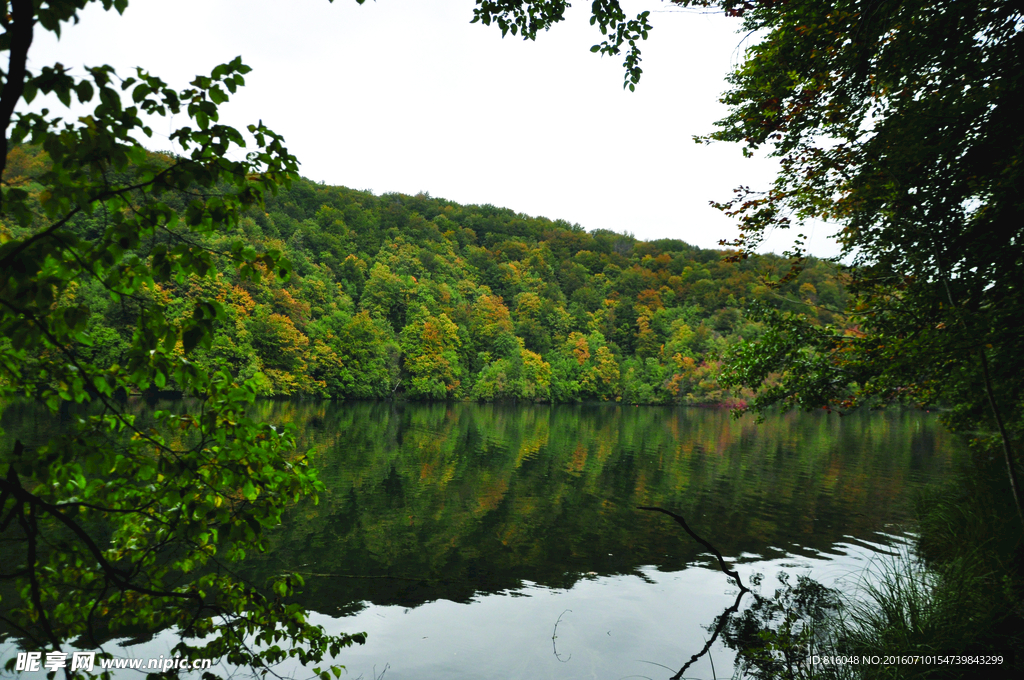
{"x": 408, "y": 96}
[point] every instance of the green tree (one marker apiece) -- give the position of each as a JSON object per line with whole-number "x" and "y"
{"x": 282, "y": 349}
{"x": 599, "y": 378}
{"x": 515, "y": 373}
{"x": 430, "y": 345}
{"x": 370, "y": 357}
{"x": 385, "y": 295}
{"x": 120, "y": 524}
{"x": 489, "y": 319}
{"x": 898, "y": 121}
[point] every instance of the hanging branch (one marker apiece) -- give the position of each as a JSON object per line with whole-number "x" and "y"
{"x": 722, "y": 620}
{"x": 1011, "y": 465}
{"x": 721, "y": 560}
{"x": 1004, "y": 437}
{"x": 731, "y": 573}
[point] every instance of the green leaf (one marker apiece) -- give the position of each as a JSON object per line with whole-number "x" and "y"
{"x": 84, "y": 91}
{"x": 191, "y": 337}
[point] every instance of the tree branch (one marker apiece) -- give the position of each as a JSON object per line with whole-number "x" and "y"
{"x": 722, "y": 620}
{"x": 728, "y": 572}
{"x": 116, "y": 576}
{"x": 30, "y": 528}
{"x": 20, "y": 32}
{"x": 1011, "y": 468}
{"x": 721, "y": 560}
{"x": 10, "y": 257}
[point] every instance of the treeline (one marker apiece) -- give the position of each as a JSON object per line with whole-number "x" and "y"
{"x": 423, "y": 298}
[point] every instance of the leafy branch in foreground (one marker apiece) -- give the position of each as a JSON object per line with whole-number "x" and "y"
{"x": 124, "y": 524}
{"x": 527, "y": 17}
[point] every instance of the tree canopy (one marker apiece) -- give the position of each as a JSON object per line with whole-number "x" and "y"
{"x": 540, "y": 307}
{"x": 121, "y": 525}
{"x": 897, "y": 121}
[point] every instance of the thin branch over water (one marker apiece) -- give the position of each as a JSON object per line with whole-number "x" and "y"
{"x": 731, "y": 573}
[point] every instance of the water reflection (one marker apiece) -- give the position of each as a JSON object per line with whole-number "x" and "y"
{"x": 430, "y": 502}
{"x": 456, "y": 535}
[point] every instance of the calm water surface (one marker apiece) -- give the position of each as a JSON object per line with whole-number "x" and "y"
{"x": 458, "y": 535}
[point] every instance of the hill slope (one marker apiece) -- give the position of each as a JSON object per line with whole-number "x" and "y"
{"x": 428, "y": 299}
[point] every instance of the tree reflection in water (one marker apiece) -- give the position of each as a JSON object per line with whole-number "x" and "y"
{"x": 460, "y": 502}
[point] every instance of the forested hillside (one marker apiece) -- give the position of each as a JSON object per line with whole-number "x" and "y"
{"x": 423, "y": 298}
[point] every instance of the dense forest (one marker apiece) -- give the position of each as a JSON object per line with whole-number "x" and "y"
{"x": 423, "y": 298}
{"x": 219, "y": 274}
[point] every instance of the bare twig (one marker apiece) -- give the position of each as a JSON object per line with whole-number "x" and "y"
{"x": 722, "y": 620}
{"x": 721, "y": 560}
{"x": 554, "y": 634}
{"x": 731, "y": 573}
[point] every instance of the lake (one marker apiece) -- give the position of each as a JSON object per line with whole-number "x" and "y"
{"x": 487, "y": 541}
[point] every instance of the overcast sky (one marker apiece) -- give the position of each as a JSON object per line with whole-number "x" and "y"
{"x": 408, "y": 96}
